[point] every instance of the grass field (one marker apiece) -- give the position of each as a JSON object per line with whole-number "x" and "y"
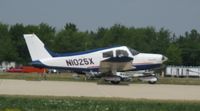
{"x": 69, "y": 77}
{"x": 179, "y": 81}
{"x": 39, "y": 103}
{"x": 31, "y": 103}
{"x": 37, "y": 77}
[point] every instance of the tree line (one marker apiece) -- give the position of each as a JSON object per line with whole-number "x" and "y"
{"x": 180, "y": 50}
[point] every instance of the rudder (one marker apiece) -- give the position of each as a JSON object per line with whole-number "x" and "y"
{"x": 36, "y": 47}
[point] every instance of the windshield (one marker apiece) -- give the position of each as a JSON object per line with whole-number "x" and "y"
{"x": 133, "y": 51}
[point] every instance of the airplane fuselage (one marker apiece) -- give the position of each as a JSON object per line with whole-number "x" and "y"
{"x": 90, "y": 60}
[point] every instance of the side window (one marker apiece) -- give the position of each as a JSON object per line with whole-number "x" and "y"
{"x": 108, "y": 54}
{"x": 121, "y": 53}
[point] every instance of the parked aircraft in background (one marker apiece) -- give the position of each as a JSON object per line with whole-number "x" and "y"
{"x": 101, "y": 62}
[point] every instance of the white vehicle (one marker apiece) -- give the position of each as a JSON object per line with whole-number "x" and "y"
{"x": 2, "y": 69}
{"x": 102, "y": 62}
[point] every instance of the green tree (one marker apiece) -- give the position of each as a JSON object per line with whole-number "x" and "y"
{"x": 182, "y": 50}
{"x": 46, "y": 34}
{"x": 190, "y": 47}
{"x": 71, "y": 27}
{"x": 7, "y": 48}
{"x": 174, "y": 55}
{"x": 16, "y": 31}
{"x": 162, "y": 41}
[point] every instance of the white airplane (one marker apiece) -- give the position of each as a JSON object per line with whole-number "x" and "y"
{"x": 104, "y": 62}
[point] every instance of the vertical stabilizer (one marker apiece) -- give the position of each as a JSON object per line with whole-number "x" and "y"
{"x": 36, "y": 47}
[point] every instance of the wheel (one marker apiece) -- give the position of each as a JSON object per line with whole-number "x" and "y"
{"x": 115, "y": 82}
{"x": 151, "y": 82}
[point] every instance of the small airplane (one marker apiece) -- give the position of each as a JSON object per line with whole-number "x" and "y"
{"x": 101, "y": 62}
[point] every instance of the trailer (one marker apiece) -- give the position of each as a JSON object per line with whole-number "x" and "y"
{"x": 26, "y": 69}
{"x": 183, "y": 71}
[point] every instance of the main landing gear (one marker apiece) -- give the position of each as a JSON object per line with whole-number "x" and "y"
{"x": 113, "y": 79}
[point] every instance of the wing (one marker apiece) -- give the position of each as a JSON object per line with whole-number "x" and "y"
{"x": 115, "y": 64}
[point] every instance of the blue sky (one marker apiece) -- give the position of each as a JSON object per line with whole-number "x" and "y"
{"x": 176, "y": 15}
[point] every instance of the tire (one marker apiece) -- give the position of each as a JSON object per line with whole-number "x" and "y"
{"x": 115, "y": 82}
{"x": 151, "y": 82}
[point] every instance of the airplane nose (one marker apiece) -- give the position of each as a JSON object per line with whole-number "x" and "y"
{"x": 164, "y": 58}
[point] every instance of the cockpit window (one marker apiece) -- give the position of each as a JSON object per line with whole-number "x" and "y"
{"x": 133, "y": 52}
{"x": 121, "y": 53}
{"x": 108, "y": 54}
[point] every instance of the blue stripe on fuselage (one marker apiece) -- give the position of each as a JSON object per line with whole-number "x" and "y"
{"x": 54, "y": 54}
{"x": 41, "y": 65}
{"x": 96, "y": 69}
{"x": 146, "y": 66}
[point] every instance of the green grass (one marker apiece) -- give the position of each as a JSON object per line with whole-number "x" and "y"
{"x": 37, "y": 103}
{"x": 68, "y": 77}
{"x": 36, "y": 76}
{"x": 179, "y": 81}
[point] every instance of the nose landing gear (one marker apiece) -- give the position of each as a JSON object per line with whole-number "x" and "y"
{"x": 113, "y": 79}
{"x": 149, "y": 79}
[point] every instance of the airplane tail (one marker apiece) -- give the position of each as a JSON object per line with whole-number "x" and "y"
{"x": 36, "y": 47}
